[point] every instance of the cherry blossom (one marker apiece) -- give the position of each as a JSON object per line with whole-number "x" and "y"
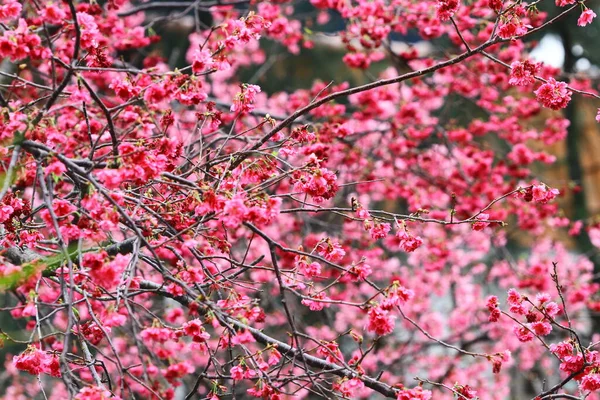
{"x": 586, "y": 17}
{"x": 178, "y": 218}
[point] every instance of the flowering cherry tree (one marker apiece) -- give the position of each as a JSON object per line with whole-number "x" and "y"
{"x": 181, "y": 234}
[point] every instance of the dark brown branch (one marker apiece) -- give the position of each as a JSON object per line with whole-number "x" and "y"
{"x": 283, "y": 348}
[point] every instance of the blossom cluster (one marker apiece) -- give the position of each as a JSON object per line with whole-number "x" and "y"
{"x": 175, "y": 219}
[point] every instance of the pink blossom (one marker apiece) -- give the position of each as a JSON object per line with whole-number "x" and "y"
{"x": 351, "y": 387}
{"x": 541, "y": 328}
{"x": 10, "y": 10}
{"x": 364, "y": 214}
{"x": 512, "y": 29}
{"x": 542, "y": 298}
{"x": 408, "y": 243}
{"x": 178, "y": 370}
{"x": 562, "y": 349}
{"x": 380, "y": 230}
{"x": 380, "y": 322}
{"x": 552, "y": 309}
{"x": 195, "y": 329}
{"x": 56, "y": 168}
{"x": 89, "y": 30}
{"x": 157, "y": 335}
{"x": 53, "y": 13}
{"x": 523, "y": 334}
{"x": 237, "y": 373}
{"x": 316, "y": 305}
{"x": 591, "y": 382}
{"x": 202, "y": 61}
{"x": 95, "y": 393}
{"x": 492, "y": 305}
{"x": 481, "y": 222}
{"x": 310, "y": 270}
{"x": 6, "y": 212}
{"x": 554, "y": 95}
{"x": 244, "y": 100}
{"x": 447, "y": 8}
{"x": 523, "y": 73}
{"x": 331, "y": 251}
{"x": 35, "y": 361}
{"x": 543, "y": 194}
{"x": 466, "y": 391}
{"x": 417, "y": 393}
{"x": 586, "y": 17}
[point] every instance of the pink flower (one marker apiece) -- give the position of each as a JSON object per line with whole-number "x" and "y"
{"x": 274, "y": 357}
{"x": 593, "y": 232}
{"x": 11, "y": 9}
{"x": 53, "y": 13}
{"x": 515, "y": 300}
{"x": 553, "y": 94}
{"x": 598, "y": 116}
{"x": 350, "y": 388}
{"x": 357, "y": 60}
{"x": 495, "y": 5}
{"x": 466, "y": 391}
{"x": 320, "y": 184}
{"x": 542, "y": 298}
{"x": 514, "y": 297}
{"x": 512, "y": 29}
{"x": 397, "y": 297}
{"x": 195, "y": 329}
{"x": 586, "y": 17}
{"x": 380, "y": 321}
{"x": 364, "y": 214}
{"x": 178, "y": 370}
{"x": 541, "y": 328}
{"x": 330, "y": 351}
{"x": 481, "y": 222}
{"x": 379, "y": 231}
{"x": 498, "y": 360}
{"x": 202, "y": 61}
{"x": 562, "y": 349}
{"x": 315, "y": 305}
{"x": 6, "y": 212}
{"x": 543, "y": 194}
{"x": 362, "y": 271}
{"x": 523, "y": 334}
{"x": 36, "y": 361}
{"x": 56, "y": 168}
{"x": 523, "y": 73}
{"x": 576, "y": 228}
{"x": 95, "y": 393}
{"x": 124, "y": 89}
{"x": 52, "y": 366}
{"x": 447, "y": 8}
{"x": 417, "y": 393}
{"x": 408, "y": 243}
{"x": 156, "y": 335}
{"x": 591, "y": 382}
{"x": 310, "y": 270}
{"x": 31, "y": 360}
{"x": 89, "y": 30}
{"x": 237, "y": 373}
{"x": 331, "y": 251}
{"x": 552, "y": 309}
{"x": 234, "y": 212}
{"x": 492, "y": 306}
{"x": 243, "y": 101}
